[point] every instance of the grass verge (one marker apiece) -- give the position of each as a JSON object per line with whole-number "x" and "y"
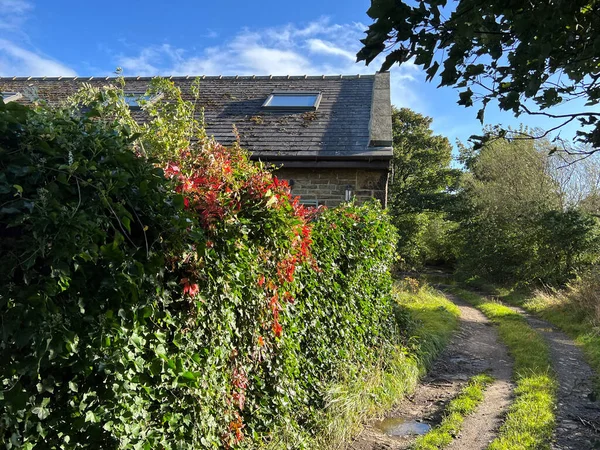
{"x": 565, "y": 315}
{"x": 530, "y": 420}
{"x": 429, "y": 319}
{"x": 461, "y": 406}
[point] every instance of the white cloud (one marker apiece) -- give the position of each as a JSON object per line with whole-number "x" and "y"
{"x": 257, "y": 59}
{"x": 142, "y": 63}
{"x": 327, "y": 48}
{"x": 277, "y": 51}
{"x": 15, "y": 58}
{"x": 17, "y": 61}
{"x": 319, "y": 47}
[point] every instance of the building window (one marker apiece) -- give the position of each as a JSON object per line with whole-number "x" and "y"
{"x": 133, "y": 99}
{"x": 293, "y": 100}
{"x": 10, "y": 96}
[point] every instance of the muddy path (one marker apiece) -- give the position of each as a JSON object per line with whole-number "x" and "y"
{"x": 578, "y": 408}
{"x": 474, "y": 349}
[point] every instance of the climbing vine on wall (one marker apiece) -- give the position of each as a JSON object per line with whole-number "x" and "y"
{"x": 160, "y": 290}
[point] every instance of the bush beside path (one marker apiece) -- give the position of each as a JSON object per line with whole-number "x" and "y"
{"x": 162, "y": 291}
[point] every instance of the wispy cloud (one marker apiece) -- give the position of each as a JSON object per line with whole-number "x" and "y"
{"x": 319, "y": 47}
{"x": 210, "y": 34}
{"x": 17, "y": 61}
{"x": 327, "y": 48}
{"x": 15, "y": 6}
{"x": 13, "y": 13}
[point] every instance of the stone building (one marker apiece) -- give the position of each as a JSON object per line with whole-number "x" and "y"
{"x": 329, "y": 136}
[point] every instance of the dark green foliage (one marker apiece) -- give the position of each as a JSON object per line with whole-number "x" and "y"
{"x": 86, "y": 314}
{"x": 512, "y": 226}
{"x": 425, "y": 239}
{"x": 422, "y": 177}
{"x": 541, "y": 52}
{"x": 421, "y": 189}
{"x": 100, "y": 346}
{"x": 569, "y": 243}
{"x": 342, "y": 322}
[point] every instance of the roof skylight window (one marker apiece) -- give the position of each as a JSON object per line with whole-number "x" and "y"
{"x": 133, "y": 99}
{"x": 10, "y": 96}
{"x": 293, "y": 100}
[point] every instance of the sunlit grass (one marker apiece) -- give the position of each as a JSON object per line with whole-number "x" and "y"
{"x": 530, "y": 420}
{"x": 432, "y": 321}
{"x": 565, "y": 315}
{"x": 462, "y": 405}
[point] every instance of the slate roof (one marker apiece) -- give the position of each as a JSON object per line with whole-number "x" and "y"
{"x": 351, "y": 124}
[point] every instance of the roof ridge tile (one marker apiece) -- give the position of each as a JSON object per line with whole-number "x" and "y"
{"x": 203, "y": 77}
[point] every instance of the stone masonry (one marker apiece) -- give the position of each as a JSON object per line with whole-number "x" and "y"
{"x": 328, "y": 186}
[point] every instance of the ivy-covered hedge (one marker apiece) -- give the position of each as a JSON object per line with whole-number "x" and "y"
{"x": 158, "y": 290}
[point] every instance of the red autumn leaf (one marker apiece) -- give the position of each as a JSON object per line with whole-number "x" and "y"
{"x": 277, "y": 329}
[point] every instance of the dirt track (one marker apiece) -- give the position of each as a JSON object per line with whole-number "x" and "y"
{"x": 476, "y": 348}
{"x": 577, "y": 416}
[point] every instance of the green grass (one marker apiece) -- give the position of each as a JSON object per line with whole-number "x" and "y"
{"x": 461, "y": 406}
{"x": 530, "y": 420}
{"x": 566, "y": 316}
{"x": 431, "y": 322}
{"x": 431, "y": 319}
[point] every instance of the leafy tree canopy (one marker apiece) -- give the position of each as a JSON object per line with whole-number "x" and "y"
{"x": 421, "y": 187}
{"x": 540, "y": 52}
{"x": 422, "y": 178}
{"x": 513, "y": 212}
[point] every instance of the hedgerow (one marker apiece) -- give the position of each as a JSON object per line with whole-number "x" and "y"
{"x": 159, "y": 290}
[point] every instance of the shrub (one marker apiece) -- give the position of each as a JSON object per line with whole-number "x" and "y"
{"x": 421, "y": 191}
{"x": 569, "y": 243}
{"x": 83, "y": 297}
{"x": 514, "y": 227}
{"x": 584, "y": 293}
{"x": 163, "y": 291}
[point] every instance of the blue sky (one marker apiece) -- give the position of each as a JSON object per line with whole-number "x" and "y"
{"x": 225, "y": 37}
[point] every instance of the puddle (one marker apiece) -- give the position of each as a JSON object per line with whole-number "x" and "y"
{"x": 397, "y": 426}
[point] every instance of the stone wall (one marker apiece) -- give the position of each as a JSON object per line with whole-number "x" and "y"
{"x": 328, "y": 186}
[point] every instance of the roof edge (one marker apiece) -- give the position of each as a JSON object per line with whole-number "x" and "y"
{"x": 193, "y": 77}
{"x": 373, "y": 154}
{"x": 367, "y": 165}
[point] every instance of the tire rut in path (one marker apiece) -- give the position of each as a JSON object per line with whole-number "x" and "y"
{"x": 577, "y": 416}
{"x": 474, "y": 349}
